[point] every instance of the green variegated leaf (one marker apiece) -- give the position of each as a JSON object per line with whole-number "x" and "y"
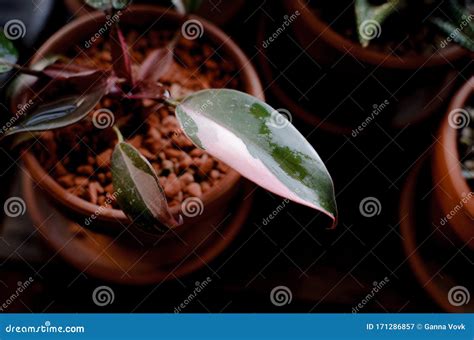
{"x": 107, "y": 4}
{"x": 369, "y": 18}
{"x": 258, "y": 142}
{"x": 59, "y": 113}
{"x": 187, "y": 6}
{"x": 139, "y": 192}
{"x": 25, "y": 81}
{"x": 8, "y": 53}
{"x": 454, "y": 33}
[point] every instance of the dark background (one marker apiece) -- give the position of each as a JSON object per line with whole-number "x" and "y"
{"x": 326, "y": 270}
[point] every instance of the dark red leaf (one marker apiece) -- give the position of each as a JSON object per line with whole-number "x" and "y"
{"x": 149, "y": 90}
{"x": 120, "y": 55}
{"x": 156, "y": 64}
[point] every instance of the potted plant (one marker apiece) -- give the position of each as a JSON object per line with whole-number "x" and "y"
{"x": 387, "y": 34}
{"x": 213, "y": 134}
{"x": 452, "y": 166}
{"x": 220, "y": 13}
{"x": 436, "y": 211}
{"x": 357, "y": 70}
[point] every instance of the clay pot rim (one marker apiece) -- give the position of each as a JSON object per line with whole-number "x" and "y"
{"x": 251, "y": 84}
{"x": 448, "y": 141}
{"x": 321, "y": 29}
{"x": 407, "y": 211}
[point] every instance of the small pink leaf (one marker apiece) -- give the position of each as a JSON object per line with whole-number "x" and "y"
{"x": 120, "y": 55}
{"x": 156, "y": 64}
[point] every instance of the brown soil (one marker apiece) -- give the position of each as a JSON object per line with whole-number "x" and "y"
{"x": 78, "y": 157}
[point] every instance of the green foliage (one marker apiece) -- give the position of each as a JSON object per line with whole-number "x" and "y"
{"x": 458, "y": 25}
{"x": 8, "y": 53}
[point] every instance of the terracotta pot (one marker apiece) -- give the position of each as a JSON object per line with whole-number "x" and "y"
{"x": 220, "y": 13}
{"x": 181, "y": 240}
{"x": 431, "y": 251}
{"x": 324, "y": 106}
{"x": 327, "y": 45}
{"x": 450, "y": 187}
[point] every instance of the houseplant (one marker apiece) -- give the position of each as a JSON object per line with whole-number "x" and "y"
{"x": 436, "y": 211}
{"x": 217, "y": 12}
{"x": 452, "y": 190}
{"x": 216, "y": 201}
{"x": 326, "y": 34}
{"x": 379, "y": 22}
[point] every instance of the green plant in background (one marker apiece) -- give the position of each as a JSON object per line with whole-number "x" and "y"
{"x": 369, "y": 18}
{"x": 456, "y": 21}
{"x": 234, "y": 127}
{"x": 461, "y": 26}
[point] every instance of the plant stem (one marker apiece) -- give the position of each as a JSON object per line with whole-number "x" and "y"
{"x": 118, "y": 133}
{"x": 172, "y": 102}
{"x": 22, "y": 69}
